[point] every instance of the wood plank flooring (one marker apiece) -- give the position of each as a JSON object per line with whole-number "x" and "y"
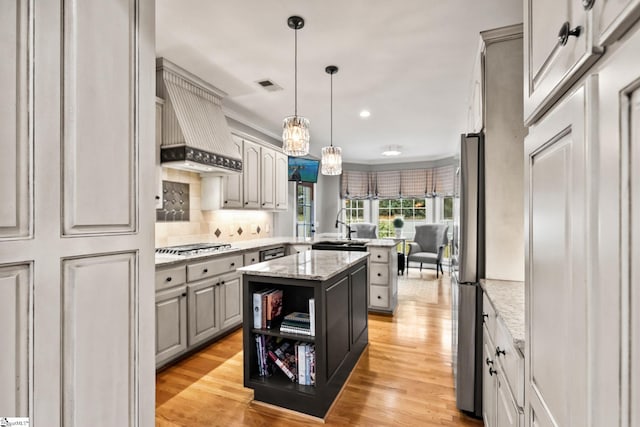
{"x": 403, "y": 378}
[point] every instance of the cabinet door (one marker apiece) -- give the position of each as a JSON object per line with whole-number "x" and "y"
{"x": 616, "y": 269}
{"x": 507, "y": 414}
{"x": 337, "y": 340}
{"x": 230, "y": 301}
{"x": 267, "y": 190}
{"x": 171, "y": 323}
{"x": 551, "y": 66}
{"x": 251, "y": 175}
{"x": 232, "y": 183}
{"x": 489, "y": 381}
{"x": 359, "y": 303}
{"x": 555, "y": 263}
{"x": 204, "y": 319}
{"x": 282, "y": 181}
{"x": 613, "y": 18}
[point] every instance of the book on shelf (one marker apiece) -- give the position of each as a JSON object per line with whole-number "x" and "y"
{"x": 273, "y": 307}
{"x": 258, "y": 309}
{"x": 297, "y": 317}
{"x": 312, "y": 317}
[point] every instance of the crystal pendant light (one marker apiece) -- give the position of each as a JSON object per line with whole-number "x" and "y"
{"x": 295, "y": 132}
{"x": 331, "y": 156}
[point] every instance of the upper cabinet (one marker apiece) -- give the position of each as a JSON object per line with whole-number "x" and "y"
{"x": 267, "y": 183}
{"x": 613, "y": 18}
{"x": 263, "y": 183}
{"x": 282, "y": 181}
{"x": 233, "y": 182}
{"x": 560, "y": 48}
{"x": 251, "y": 174}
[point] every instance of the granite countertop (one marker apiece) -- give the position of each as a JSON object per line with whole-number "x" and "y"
{"x": 308, "y": 265}
{"x": 507, "y": 298}
{"x": 258, "y": 244}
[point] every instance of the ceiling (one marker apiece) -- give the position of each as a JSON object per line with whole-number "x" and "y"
{"x": 408, "y": 62}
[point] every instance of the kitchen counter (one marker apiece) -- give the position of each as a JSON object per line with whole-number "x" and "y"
{"x": 507, "y": 298}
{"x": 308, "y": 265}
{"x": 265, "y": 243}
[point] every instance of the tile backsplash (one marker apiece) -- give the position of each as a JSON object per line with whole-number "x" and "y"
{"x": 224, "y": 226}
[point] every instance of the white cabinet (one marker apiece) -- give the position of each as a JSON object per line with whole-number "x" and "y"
{"x": 282, "y": 181}
{"x": 230, "y": 300}
{"x": 502, "y": 373}
{"x": 560, "y": 49}
{"x": 171, "y": 323}
{"x": 267, "y": 180}
{"x": 555, "y": 281}
{"x": 204, "y": 317}
{"x": 233, "y": 183}
{"x": 263, "y": 181}
{"x": 251, "y": 175}
{"x": 613, "y": 18}
{"x": 251, "y": 258}
{"x": 383, "y": 278}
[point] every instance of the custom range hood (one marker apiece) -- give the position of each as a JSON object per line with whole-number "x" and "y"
{"x": 195, "y": 134}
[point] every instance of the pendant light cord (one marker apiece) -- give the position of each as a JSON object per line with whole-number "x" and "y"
{"x": 331, "y": 110}
{"x": 295, "y": 73}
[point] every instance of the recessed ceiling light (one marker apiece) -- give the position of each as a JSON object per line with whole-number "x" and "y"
{"x": 392, "y": 150}
{"x": 364, "y": 114}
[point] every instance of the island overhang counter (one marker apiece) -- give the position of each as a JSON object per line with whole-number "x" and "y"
{"x": 337, "y": 282}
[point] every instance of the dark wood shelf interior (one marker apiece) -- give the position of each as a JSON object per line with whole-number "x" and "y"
{"x": 280, "y": 382}
{"x": 275, "y": 332}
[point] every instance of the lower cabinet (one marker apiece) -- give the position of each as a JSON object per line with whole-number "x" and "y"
{"x": 502, "y": 376}
{"x": 193, "y": 313}
{"x": 171, "y": 323}
{"x": 297, "y": 248}
{"x": 383, "y": 278}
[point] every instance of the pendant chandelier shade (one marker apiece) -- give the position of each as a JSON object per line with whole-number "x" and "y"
{"x": 331, "y": 156}
{"x": 295, "y": 129}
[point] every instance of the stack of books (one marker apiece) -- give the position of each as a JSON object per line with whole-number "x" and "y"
{"x": 296, "y": 323}
{"x": 296, "y": 360}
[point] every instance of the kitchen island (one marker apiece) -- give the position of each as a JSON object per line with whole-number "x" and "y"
{"x": 337, "y": 281}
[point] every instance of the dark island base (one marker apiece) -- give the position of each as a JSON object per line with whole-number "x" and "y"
{"x": 342, "y": 334}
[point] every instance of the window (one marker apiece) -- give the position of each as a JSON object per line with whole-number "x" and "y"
{"x": 354, "y": 211}
{"x": 447, "y": 208}
{"x": 304, "y": 209}
{"x": 413, "y": 211}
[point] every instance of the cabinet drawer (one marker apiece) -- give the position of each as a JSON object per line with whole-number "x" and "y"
{"x": 297, "y": 249}
{"x": 379, "y": 255}
{"x": 379, "y": 274}
{"x": 170, "y": 277}
{"x": 213, "y": 267}
{"x": 488, "y": 316}
{"x": 511, "y": 360}
{"x": 379, "y": 296}
{"x": 251, "y": 258}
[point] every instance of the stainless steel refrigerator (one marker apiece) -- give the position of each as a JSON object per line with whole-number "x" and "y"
{"x": 466, "y": 294}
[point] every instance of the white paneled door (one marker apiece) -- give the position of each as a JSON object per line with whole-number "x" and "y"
{"x": 76, "y": 222}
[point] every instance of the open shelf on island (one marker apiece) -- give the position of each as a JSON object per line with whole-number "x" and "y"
{"x": 275, "y": 332}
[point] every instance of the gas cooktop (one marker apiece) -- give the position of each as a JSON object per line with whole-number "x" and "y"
{"x": 193, "y": 249}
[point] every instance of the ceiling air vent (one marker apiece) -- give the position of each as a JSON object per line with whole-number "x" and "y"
{"x": 269, "y": 85}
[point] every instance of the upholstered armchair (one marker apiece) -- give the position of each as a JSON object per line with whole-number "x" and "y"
{"x": 428, "y": 246}
{"x": 364, "y": 230}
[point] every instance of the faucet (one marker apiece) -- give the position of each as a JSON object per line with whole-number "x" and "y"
{"x": 343, "y": 223}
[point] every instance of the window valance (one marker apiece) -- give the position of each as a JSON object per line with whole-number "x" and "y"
{"x": 407, "y": 184}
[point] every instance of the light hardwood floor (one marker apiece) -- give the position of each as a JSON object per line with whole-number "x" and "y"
{"x": 403, "y": 378}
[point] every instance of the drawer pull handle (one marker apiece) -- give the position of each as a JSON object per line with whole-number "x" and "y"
{"x": 206, "y": 270}
{"x": 500, "y": 352}
{"x": 489, "y": 362}
{"x": 233, "y": 264}
{"x": 246, "y": 203}
{"x": 379, "y": 297}
{"x": 379, "y": 256}
{"x": 253, "y": 260}
{"x": 485, "y": 316}
{"x": 222, "y": 283}
{"x": 492, "y": 371}
{"x": 379, "y": 274}
{"x": 184, "y": 295}
{"x": 566, "y": 32}
{"x": 588, "y": 4}
{"x": 169, "y": 279}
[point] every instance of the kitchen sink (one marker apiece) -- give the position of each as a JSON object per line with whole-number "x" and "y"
{"x": 340, "y": 245}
